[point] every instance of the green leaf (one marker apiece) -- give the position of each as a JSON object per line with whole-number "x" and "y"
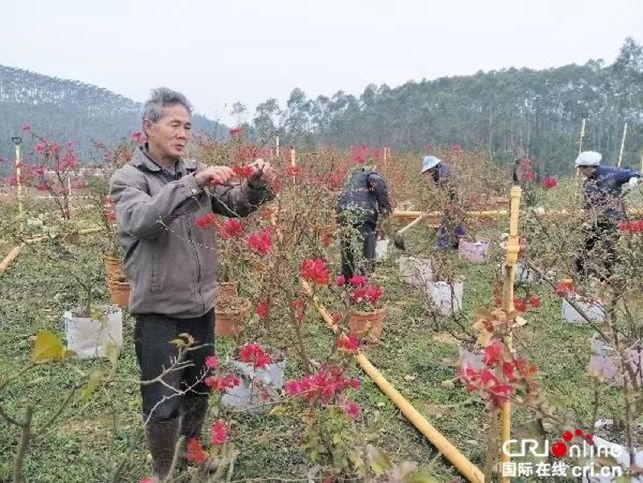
{"x": 96, "y": 314}
{"x": 378, "y": 460}
{"x": 423, "y": 477}
{"x": 48, "y": 347}
{"x": 112, "y": 352}
{"x": 178, "y": 342}
{"x": 92, "y": 384}
{"x": 278, "y": 411}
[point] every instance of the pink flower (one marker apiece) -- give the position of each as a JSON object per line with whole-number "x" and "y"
{"x": 219, "y": 433}
{"x": 340, "y": 280}
{"x": 236, "y": 131}
{"x": 26, "y": 127}
{"x": 350, "y": 408}
{"x": 78, "y": 184}
{"x": 211, "y": 362}
{"x": 535, "y": 302}
{"x": 139, "y": 137}
{"x": 222, "y": 383}
{"x": 348, "y": 344}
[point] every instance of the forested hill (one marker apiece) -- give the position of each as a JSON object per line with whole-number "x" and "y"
{"x": 502, "y": 112}
{"x": 68, "y": 110}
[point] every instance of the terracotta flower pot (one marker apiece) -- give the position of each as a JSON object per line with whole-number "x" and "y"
{"x": 228, "y": 290}
{"x": 367, "y": 325}
{"x": 230, "y": 322}
{"x": 114, "y": 267}
{"x": 119, "y": 292}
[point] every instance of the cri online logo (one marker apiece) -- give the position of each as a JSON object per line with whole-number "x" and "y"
{"x": 560, "y": 448}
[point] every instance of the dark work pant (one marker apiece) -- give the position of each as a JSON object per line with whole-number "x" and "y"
{"x": 154, "y": 352}
{"x": 357, "y": 244}
{"x": 599, "y": 252}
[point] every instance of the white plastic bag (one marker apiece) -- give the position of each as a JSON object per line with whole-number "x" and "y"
{"x": 88, "y": 338}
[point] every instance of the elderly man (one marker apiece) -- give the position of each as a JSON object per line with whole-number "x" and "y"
{"x": 604, "y": 207}
{"x": 439, "y": 173}
{"x": 171, "y": 264}
{"x": 362, "y": 210}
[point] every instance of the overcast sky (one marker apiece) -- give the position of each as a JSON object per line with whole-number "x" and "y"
{"x": 219, "y": 52}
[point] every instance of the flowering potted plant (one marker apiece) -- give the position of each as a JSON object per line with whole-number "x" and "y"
{"x": 366, "y": 318}
{"x": 261, "y": 375}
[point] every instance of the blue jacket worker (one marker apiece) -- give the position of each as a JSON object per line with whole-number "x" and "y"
{"x": 363, "y": 204}
{"x": 434, "y": 170}
{"x": 604, "y": 207}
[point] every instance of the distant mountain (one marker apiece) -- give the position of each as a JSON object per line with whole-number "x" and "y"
{"x": 68, "y": 110}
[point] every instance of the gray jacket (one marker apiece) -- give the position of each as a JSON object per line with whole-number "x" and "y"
{"x": 170, "y": 263}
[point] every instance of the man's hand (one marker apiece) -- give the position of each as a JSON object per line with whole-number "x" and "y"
{"x": 263, "y": 173}
{"x": 214, "y": 175}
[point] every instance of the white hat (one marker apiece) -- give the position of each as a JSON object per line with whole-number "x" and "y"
{"x": 588, "y": 158}
{"x": 429, "y": 162}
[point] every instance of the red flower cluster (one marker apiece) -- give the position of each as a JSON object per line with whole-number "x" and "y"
{"x": 219, "y": 433}
{"x": 205, "y": 221}
{"x": 496, "y": 388}
{"x": 350, "y": 408}
{"x": 634, "y": 227}
{"x": 236, "y": 131}
{"x": 243, "y": 171}
{"x": 232, "y": 228}
{"x": 255, "y": 355}
{"x": 563, "y": 288}
{"x": 262, "y": 310}
{"x": 323, "y": 386}
{"x": 367, "y": 293}
{"x": 294, "y": 171}
{"x": 348, "y": 344}
{"x": 315, "y": 271}
{"x": 211, "y": 362}
{"x": 195, "y": 453}
{"x": 524, "y": 304}
{"x": 549, "y": 182}
{"x": 260, "y": 242}
{"x": 222, "y": 383}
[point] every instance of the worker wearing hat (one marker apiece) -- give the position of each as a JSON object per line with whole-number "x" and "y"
{"x": 436, "y": 171}
{"x": 604, "y": 207}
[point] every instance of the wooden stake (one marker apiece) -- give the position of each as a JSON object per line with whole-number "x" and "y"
{"x": 277, "y": 146}
{"x": 620, "y": 155}
{"x": 293, "y": 161}
{"x": 21, "y": 207}
{"x": 513, "y": 248}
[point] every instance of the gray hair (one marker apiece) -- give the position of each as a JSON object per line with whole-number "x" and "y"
{"x": 163, "y": 97}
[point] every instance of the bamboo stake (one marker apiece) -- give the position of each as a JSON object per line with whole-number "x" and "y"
{"x": 620, "y": 155}
{"x": 466, "y": 467}
{"x": 277, "y": 146}
{"x": 513, "y": 248}
{"x": 293, "y": 161}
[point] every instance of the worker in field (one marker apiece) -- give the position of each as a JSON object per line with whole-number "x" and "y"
{"x": 435, "y": 171}
{"x": 362, "y": 213}
{"x": 161, "y": 200}
{"x": 604, "y": 208}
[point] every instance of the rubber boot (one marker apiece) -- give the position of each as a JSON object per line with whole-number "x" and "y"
{"x": 193, "y": 412}
{"x": 162, "y": 435}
